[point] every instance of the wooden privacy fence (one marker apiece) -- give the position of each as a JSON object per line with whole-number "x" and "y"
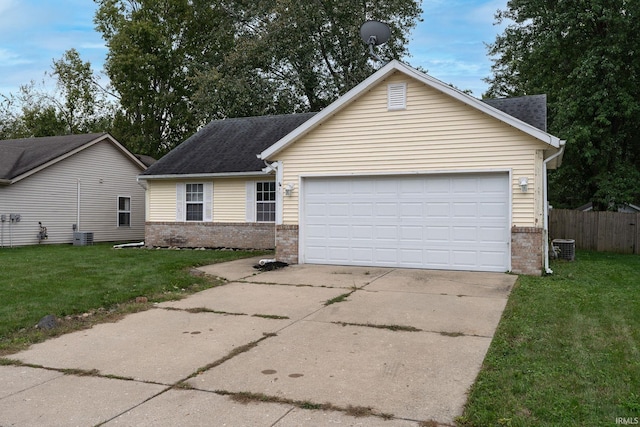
{"x": 597, "y": 231}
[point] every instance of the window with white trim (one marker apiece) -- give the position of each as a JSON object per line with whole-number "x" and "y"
{"x": 265, "y": 201}
{"x": 124, "y": 211}
{"x": 194, "y": 202}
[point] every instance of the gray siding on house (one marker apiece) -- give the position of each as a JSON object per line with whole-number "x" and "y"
{"x": 102, "y": 173}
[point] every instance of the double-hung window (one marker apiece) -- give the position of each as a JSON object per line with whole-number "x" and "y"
{"x": 265, "y": 201}
{"x": 124, "y": 211}
{"x": 194, "y": 198}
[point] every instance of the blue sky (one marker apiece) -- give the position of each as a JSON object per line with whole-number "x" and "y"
{"x": 448, "y": 43}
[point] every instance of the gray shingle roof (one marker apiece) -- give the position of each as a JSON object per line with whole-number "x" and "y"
{"x": 227, "y": 146}
{"x": 19, "y": 156}
{"x": 231, "y": 145}
{"x": 530, "y": 109}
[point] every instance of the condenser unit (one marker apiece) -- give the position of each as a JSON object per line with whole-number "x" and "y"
{"x": 82, "y": 238}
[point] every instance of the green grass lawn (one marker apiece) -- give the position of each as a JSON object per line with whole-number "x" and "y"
{"x": 567, "y": 350}
{"x": 67, "y": 280}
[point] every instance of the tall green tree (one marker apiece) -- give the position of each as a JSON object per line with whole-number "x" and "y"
{"x": 295, "y": 55}
{"x": 77, "y": 104}
{"x": 155, "y": 50}
{"x": 82, "y": 103}
{"x": 29, "y": 113}
{"x": 176, "y": 64}
{"x": 585, "y": 55}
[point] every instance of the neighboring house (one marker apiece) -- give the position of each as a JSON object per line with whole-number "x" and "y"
{"x": 402, "y": 171}
{"x": 630, "y": 208}
{"x": 84, "y": 182}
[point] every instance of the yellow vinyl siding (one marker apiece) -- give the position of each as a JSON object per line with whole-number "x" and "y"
{"x": 436, "y": 133}
{"x": 229, "y": 199}
{"x": 161, "y": 196}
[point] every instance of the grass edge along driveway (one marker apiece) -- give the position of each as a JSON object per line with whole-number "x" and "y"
{"x": 567, "y": 350}
{"x": 69, "y": 281}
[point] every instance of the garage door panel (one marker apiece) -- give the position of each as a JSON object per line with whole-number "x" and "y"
{"x": 362, "y": 232}
{"x": 490, "y": 210}
{"x": 337, "y": 253}
{"x": 411, "y": 233}
{"x": 389, "y": 232}
{"x": 465, "y": 210}
{"x": 464, "y": 234}
{"x": 465, "y": 259}
{"x": 412, "y": 187}
{"x": 388, "y": 256}
{"x": 438, "y": 258}
{"x": 411, "y": 210}
{"x": 438, "y": 185}
{"x": 362, "y": 255}
{"x": 432, "y": 221}
{"x": 437, "y": 210}
{"x": 438, "y": 234}
{"x": 494, "y": 259}
{"x": 362, "y": 210}
{"x": 493, "y": 235}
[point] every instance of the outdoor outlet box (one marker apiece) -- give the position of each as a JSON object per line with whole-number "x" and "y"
{"x": 3, "y": 217}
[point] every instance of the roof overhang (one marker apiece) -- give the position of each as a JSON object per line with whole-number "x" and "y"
{"x": 104, "y": 137}
{"x": 436, "y": 84}
{"x": 202, "y": 176}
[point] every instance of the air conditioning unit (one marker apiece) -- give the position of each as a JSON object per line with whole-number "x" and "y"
{"x": 565, "y": 248}
{"x": 82, "y": 238}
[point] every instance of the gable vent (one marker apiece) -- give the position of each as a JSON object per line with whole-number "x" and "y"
{"x": 397, "y": 96}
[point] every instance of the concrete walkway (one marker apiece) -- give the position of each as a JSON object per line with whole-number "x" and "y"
{"x": 394, "y": 348}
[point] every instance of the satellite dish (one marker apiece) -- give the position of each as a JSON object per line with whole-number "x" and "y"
{"x": 375, "y": 33}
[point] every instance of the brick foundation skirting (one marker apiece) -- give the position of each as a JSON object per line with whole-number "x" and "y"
{"x": 210, "y": 235}
{"x": 527, "y": 250}
{"x": 287, "y": 243}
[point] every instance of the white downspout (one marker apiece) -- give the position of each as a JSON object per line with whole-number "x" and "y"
{"x": 78, "y": 211}
{"x": 546, "y": 207}
{"x": 279, "y": 193}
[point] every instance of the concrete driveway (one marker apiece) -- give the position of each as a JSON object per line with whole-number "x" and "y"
{"x": 305, "y": 345}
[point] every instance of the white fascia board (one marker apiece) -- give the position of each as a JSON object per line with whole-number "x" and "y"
{"x": 203, "y": 175}
{"x": 434, "y": 83}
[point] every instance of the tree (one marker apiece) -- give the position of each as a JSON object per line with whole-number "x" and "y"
{"x": 177, "y": 64}
{"x": 30, "y": 113}
{"x": 584, "y": 54}
{"x": 78, "y": 105}
{"x": 301, "y": 55}
{"x": 83, "y": 104}
{"x": 156, "y": 48}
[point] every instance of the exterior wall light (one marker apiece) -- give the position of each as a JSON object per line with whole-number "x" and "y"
{"x": 524, "y": 184}
{"x": 288, "y": 189}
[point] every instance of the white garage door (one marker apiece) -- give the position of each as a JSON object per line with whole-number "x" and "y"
{"x": 458, "y": 222}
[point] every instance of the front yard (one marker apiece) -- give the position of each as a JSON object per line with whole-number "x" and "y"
{"x": 567, "y": 350}
{"x": 97, "y": 281}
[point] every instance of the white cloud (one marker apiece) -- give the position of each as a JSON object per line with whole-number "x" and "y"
{"x": 10, "y": 59}
{"x": 450, "y": 42}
